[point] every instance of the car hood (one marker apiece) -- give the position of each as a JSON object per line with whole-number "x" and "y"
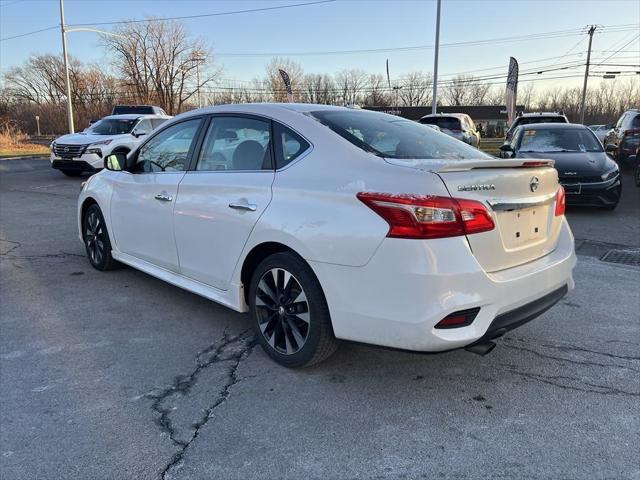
{"x": 579, "y": 163}
{"x": 83, "y": 138}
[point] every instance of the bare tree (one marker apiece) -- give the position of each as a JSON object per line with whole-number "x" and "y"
{"x": 319, "y": 88}
{"x": 466, "y": 90}
{"x": 416, "y": 89}
{"x": 377, "y": 95}
{"x": 158, "y": 62}
{"x": 350, "y": 85}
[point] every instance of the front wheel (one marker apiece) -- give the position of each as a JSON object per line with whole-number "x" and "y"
{"x": 96, "y": 239}
{"x": 289, "y": 312}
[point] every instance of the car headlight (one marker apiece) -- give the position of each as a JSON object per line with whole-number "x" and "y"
{"x": 610, "y": 174}
{"x": 94, "y": 147}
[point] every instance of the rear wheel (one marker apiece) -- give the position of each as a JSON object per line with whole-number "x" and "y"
{"x": 289, "y": 312}
{"x": 96, "y": 239}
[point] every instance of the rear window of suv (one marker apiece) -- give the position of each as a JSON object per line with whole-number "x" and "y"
{"x": 449, "y": 123}
{"x": 529, "y": 120}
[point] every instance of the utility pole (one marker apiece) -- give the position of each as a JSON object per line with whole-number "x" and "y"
{"x": 592, "y": 29}
{"x": 434, "y": 103}
{"x": 66, "y": 68}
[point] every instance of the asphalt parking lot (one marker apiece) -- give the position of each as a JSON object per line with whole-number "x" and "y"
{"x": 119, "y": 375}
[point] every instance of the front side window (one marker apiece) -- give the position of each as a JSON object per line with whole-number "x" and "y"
{"x": 289, "y": 145}
{"x": 236, "y": 143}
{"x": 113, "y": 126}
{"x": 169, "y": 150}
{"x": 559, "y": 140}
{"x": 394, "y": 137}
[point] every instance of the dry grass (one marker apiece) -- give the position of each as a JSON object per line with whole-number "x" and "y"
{"x": 15, "y": 142}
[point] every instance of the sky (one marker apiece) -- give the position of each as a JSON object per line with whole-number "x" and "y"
{"x": 353, "y": 25}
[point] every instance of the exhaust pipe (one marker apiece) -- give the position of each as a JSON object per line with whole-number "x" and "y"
{"x": 481, "y": 348}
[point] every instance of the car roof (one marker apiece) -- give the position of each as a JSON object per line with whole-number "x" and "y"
{"x": 552, "y": 126}
{"x": 444, "y": 115}
{"x": 134, "y": 116}
{"x": 542, "y": 114}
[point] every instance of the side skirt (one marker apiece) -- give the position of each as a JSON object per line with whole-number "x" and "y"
{"x": 232, "y": 298}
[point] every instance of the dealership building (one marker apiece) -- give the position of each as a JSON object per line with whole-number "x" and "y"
{"x": 490, "y": 119}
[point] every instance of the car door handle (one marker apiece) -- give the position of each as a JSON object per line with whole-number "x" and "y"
{"x": 164, "y": 197}
{"x": 251, "y": 207}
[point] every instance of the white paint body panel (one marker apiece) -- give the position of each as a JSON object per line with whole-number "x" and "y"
{"x": 380, "y": 290}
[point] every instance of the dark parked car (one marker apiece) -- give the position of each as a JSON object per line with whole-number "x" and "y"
{"x": 537, "y": 117}
{"x": 625, "y": 135}
{"x": 589, "y": 175}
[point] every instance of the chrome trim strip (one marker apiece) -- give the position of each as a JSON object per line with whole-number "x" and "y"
{"x": 534, "y": 202}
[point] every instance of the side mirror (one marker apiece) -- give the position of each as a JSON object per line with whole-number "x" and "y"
{"x": 506, "y": 150}
{"x": 139, "y": 133}
{"x": 115, "y": 162}
{"x": 611, "y": 148}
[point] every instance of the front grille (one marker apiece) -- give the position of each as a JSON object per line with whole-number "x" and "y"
{"x": 68, "y": 151}
{"x": 570, "y": 180}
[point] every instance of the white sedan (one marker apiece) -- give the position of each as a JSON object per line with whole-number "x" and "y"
{"x": 328, "y": 223}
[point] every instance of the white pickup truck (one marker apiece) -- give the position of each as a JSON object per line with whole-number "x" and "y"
{"x": 76, "y": 153}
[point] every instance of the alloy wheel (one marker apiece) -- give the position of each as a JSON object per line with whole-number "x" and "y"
{"x": 282, "y": 311}
{"x": 94, "y": 238}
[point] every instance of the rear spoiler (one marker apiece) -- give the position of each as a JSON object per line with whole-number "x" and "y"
{"x": 464, "y": 165}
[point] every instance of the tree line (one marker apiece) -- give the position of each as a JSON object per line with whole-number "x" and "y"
{"x": 159, "y": 63}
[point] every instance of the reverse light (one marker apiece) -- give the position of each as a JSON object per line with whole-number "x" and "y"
{"x": 560, "y": 202}
{"x": 423, "y": 216}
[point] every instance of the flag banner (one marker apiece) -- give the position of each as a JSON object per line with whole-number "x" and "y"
{"x": 287, "y": 84}
{"x": 512, "y": 90}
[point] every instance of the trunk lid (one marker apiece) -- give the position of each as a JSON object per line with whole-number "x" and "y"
{"x": 521, "y": 200}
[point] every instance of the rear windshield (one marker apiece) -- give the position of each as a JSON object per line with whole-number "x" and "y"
{"x": 559, "y": 140}
{"x": 394, "y": 137}
{"x": 528, "y": 120}
{"x": 449, "y": 123}
{"x": 112, "y": 126}
{"x": 135, "y": 109}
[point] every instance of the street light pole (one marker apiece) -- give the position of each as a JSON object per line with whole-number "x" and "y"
{"x": 586, "y": 74}
{"x": 434, "y": 103}
{"x": 66, "y": 69}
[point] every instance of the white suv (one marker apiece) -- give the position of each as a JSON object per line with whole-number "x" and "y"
{"x": 80, "y": 152}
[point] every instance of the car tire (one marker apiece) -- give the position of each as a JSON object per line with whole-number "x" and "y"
{"x": 96, "y": 239}
{"x": 289, "y": 312}
{"x": 72, "y": 173}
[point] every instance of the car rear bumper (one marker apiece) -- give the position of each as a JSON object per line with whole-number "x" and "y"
{"x": 408, "y": 286}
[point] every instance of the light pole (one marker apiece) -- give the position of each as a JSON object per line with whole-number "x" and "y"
{"x": 199, "y": 57}
{"x": 434, "y": 103}
{"x": 67, "y": 83}
{"x": 66, "y": 69}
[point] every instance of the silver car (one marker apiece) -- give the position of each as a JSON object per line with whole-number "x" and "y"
{"x": 457, "y": 125}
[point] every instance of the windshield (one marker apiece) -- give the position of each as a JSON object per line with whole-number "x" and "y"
{"x": 559, "y": 140}
{"x": 113, "y": 126}
{"x": 448, "y": 123}
{"x": 394, "y": 137}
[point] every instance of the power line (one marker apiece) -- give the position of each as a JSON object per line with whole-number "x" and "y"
{"x": 205, "y": 15}
{"x": 29, "y": 33}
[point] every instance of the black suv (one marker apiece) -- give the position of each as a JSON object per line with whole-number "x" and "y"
{"x": 625, "y": 136}
{"x": 538, "y": 117}
{"x": 137, "y": 110}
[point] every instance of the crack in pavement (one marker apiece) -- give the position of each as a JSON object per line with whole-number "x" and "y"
{"x": 240, "y": 347}
{"x": 564, "y": 359}
{"x": 557, "y": 381}
{"x": 570, "y": 348}
{"x": 10, "y": 255}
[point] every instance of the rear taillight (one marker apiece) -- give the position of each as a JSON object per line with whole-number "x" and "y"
{"x": 423, "y": 216}
{"x": 560, "y": 201}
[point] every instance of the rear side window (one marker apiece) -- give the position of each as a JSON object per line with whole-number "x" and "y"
{"x": 635, "y": 122}
{"x": 289, "y": 145}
